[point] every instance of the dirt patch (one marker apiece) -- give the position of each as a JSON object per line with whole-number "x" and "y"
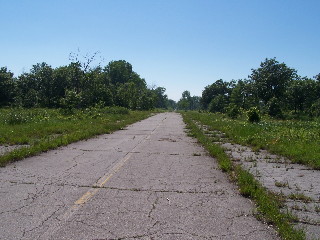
{"x": 298, "y": 184}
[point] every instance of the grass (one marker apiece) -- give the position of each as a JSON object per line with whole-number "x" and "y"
{"x": 300, "y": 197}
{"x": 268, "y": 204}
{"x": 297, "y": 140}
{"x": 45, "y": 129}
{"x": 281, "y": 184}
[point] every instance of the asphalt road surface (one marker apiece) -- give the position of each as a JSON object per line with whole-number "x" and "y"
{"x": 148, "y": 181}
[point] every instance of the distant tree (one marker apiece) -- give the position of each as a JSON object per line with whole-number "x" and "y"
{"x": 271, "y": 79}
{"x": 301, "y": 94}
{"x": 171, "y": 104}
{"x": 160, "y": 98}
{"x": 146, "y": 100}
{"x": 195, "y": 103}
{"x": 218, "y": 104}
{"x": 95, "y": 89}
{"x": 80, "y": 85}
{"x": 187, "y": 102}
{"x": 243, "y": 94}
{"x": 210, "y": 92}
{"x": 7, "y": 87}
{"x": 119, "y": 72}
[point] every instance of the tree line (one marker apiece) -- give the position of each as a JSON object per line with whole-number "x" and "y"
{"x": 78, "y": 85}
{"x": 273, "y": 88}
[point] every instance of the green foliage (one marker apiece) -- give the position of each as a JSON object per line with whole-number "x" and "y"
{"x": 272, "y": 79}
{"x": 297, "y": 140}
{"x": 253, "y": 115}
{"x": 274, "y": 108}
{"x": 233, "y": 111}
{"x": 267, "y": 205}
{"x": 218, "y": 104}
{"x": 80, "y": 85}
{"x": 7, "y": 87}
{"x": 17, "y": 117}
{"x": 315, "y": 109}
{"x": 71, "y": 100}
{"x": 218, "y": 88}
{"x": 116, "y": 110}
{"x": 45, "y": 129}
{"x": 187, "y": 102}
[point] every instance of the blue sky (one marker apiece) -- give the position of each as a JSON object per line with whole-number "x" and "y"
{"x": 177, "y": 44}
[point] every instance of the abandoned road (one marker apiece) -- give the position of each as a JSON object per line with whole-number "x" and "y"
{"x": 148, "y": 181}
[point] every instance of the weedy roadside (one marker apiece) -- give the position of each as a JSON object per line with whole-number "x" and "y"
{"x": 268, "y": 204}
{"x": 27, "y": 132}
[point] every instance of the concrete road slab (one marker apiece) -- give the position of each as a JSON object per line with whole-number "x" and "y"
{"x": 148, "y": 181}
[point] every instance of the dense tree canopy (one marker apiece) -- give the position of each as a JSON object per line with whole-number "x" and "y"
{"x": 79, "y": 85}
{"x": 272, "y": 78}
{"x": 187, "y": 102}
{"x": 274, "y": 88}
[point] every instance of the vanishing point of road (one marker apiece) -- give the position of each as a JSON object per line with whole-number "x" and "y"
{"x": 148, "y": 181}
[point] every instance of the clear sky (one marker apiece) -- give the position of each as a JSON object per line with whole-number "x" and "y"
{"x": 176, "y": 44}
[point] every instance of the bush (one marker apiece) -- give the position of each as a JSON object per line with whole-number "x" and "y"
{"x": 234, "y": 111}
{"x": 253, "y": 115}
{"x": 116, "y": 110}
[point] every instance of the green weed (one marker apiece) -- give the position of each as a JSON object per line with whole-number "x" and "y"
{"x": 268, "y": 204}
{"x": 300, "y": 196}
{"x": 297, "y": 140}
{"x": 45, "y": 129}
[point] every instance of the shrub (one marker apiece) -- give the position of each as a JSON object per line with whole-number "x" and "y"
{"x": 116, "y": 110}
{"x": 234, "y": 111}
{"x": 253, "y": 115}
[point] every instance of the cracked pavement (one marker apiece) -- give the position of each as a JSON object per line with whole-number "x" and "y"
{"x": 148, "y": 181}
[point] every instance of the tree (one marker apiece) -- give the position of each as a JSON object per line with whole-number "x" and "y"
{"x": 210, "y": 92}
{"x": 301, "y": 94}
{"x": 187, "y": 102}
{"x": 272, "y": 79}
{"x": 243, "y": 94}
{"x": 160, "y": 97}
{"x": 218, "y": 104}
{"x": 171, "y": 104}
{"x": 7, "y": 87}
{"x": 119, "y": 71}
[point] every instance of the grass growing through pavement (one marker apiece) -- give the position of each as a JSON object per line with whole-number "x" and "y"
{"x": 45, "y": 129}
{"x": 297, "y": 140}
{"x": 268, "y": 205}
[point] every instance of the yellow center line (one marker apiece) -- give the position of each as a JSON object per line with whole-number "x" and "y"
{"x": 104, "y": 179}
{"x": 92, "y": 191}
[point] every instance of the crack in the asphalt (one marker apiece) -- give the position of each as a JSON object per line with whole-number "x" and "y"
{"x": 154, "y": 204}
{"x": 218, "y": 192}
